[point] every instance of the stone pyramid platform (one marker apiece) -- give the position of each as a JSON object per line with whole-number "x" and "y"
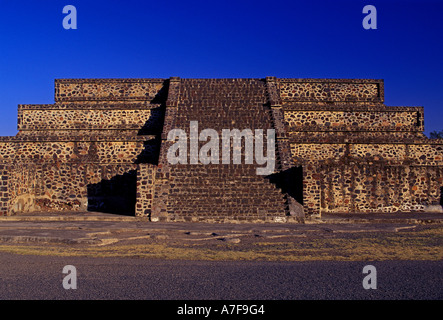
{"x": 103, "y": 146}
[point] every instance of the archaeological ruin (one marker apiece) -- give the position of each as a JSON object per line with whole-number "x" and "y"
{"x": 103, "y": 146}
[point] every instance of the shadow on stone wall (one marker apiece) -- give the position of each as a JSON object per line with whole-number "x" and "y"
{"x": 441, "y": 196}
{"x": 151, "y": 151}
{"x": 117, "y": 195}
{"x": 290, "y": 182}
{"x": 154, "y": 126}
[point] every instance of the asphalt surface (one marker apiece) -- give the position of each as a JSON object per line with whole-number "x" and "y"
{"x": 41, "y": 277}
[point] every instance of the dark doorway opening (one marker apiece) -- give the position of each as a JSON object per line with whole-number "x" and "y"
{"x": 441, "y": 196}
{"x": 116, "y": 195}
{"x": 290, "y": 181}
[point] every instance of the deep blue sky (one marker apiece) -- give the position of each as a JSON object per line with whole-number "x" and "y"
{"x": 222, "y": 39}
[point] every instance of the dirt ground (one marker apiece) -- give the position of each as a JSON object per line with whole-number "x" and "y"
{"x": 107, "y": 236}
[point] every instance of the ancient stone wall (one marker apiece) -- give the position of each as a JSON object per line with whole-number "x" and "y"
{"x": 357, "y": 154}
{"x": 397, "y": 119}
{"x": 53, "y": 175}
{"x": 333, "y": 90}
{"x": 72, "y": 90}
{"x": 103, "y": 146}
{"x": 146, "y": 174}
{"x": 120, "y": 117}
{"x": 82, "y": 153}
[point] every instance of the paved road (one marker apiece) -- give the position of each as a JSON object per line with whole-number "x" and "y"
{"x": 41, "y": 277}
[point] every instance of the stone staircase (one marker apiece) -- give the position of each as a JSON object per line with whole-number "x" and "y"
{"x": 223, "y": 191}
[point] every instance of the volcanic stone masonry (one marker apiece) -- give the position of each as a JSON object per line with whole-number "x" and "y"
{"x": 102, "y": 146}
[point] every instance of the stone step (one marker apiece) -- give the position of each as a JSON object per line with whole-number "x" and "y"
{"x": 226, "y": 189}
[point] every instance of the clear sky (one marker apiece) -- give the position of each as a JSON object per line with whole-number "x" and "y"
{"x": 222, "y": 39}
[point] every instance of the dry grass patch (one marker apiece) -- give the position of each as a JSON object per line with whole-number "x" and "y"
{"x": 415, "y": 245}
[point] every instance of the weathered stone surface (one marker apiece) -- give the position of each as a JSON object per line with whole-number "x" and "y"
{"x": 102, "y": 146}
